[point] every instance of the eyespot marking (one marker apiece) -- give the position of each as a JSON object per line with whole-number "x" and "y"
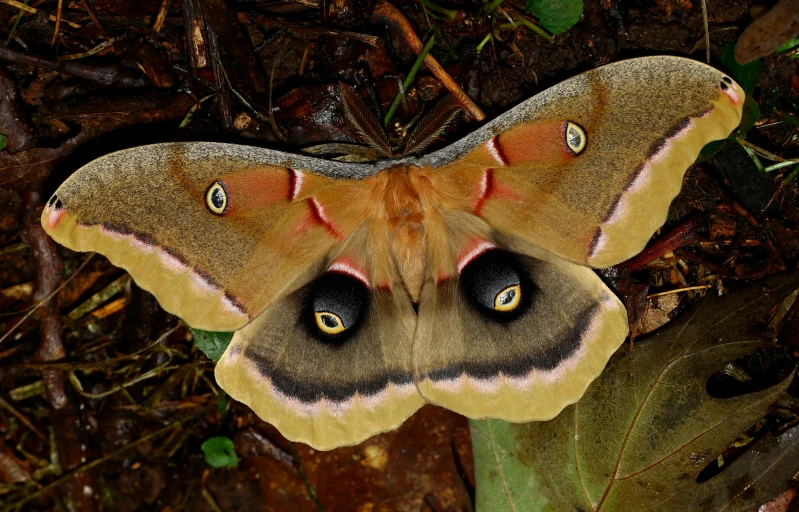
{"x": 498, "y": 285}
{"x": 329, "y": 323}
{"x": 727, "y": 79}
{"x": 508, "y": 299}
{"x": 574, "y": 138}
{"x": 336, "y": 305}
{"x": 216, "y": 198}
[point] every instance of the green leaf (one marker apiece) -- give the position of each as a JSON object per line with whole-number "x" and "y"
{"x": 788, "y": 118}
{"x": 502, "y": 481}
{"x": 556, "y": 16}
{"x": 647, "y": 427}
{"x": 3, "y": 142}
{"x": 789, "y": 45}
{"x": 213, "y": 344}
{"x": 747, "y": 75}
{"x": 751, "y": 113}
{"x": 221, "y": 406}
{"x": 219, "y": 452}
{"x": 711, "y": 148}
{"x": 791, "y": 175}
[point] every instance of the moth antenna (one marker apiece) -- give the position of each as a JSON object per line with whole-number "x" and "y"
{"x": 431, "y": 125}
{"x": 364, "y": 121}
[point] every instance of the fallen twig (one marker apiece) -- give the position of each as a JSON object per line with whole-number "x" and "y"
{"x": 21, "y": 417}
{"x": 679, "y": 290}
{"x": 158, "y": 24}
{"x": 683, "y": 234}
{"x": 33, "y": 10}
{"x": 106, "y": 75}
{"x": 386, "y": 13}
{"x": 96, "y": 22}
{"x": 49, "y": 267}
{"x": 58, "y": 13}
{"x": 262, "y": 20}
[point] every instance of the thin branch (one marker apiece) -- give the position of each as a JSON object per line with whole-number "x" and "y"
{"x": 57, "y": 22}
{"x": 386, "y": 13}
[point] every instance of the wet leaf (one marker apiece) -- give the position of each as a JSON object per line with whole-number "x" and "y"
{"x": 3, "y": 142}
{"x": 503, "y": 481}
{"x": 647, "y": 427}
{"x": 769, "y": 32}
{"x": 751, "y": 113}
{"x": 556, "y": 16}
{"x": 219, "y": 452}
{"x": 212, "y": 344}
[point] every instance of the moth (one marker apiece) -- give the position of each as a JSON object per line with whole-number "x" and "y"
{"x": 360, "y": 292}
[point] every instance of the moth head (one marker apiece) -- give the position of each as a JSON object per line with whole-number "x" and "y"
{"x": 497, "y": 284}
{"x": 336, "y": 307}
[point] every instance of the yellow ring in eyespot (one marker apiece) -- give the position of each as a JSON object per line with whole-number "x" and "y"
{"x": 216, "y": 198}
{"x": 574, "y": 137}
{"x": 329, "y": 323}
{"x": 509, "y": 298}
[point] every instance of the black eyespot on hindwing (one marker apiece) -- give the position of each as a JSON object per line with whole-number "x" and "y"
{"x": 498, "y": 285}
{"x": 336, "y": 306}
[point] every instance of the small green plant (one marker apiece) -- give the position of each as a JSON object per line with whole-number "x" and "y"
{"x": 555, "y": 16}
{"x": 219, "y": 452}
